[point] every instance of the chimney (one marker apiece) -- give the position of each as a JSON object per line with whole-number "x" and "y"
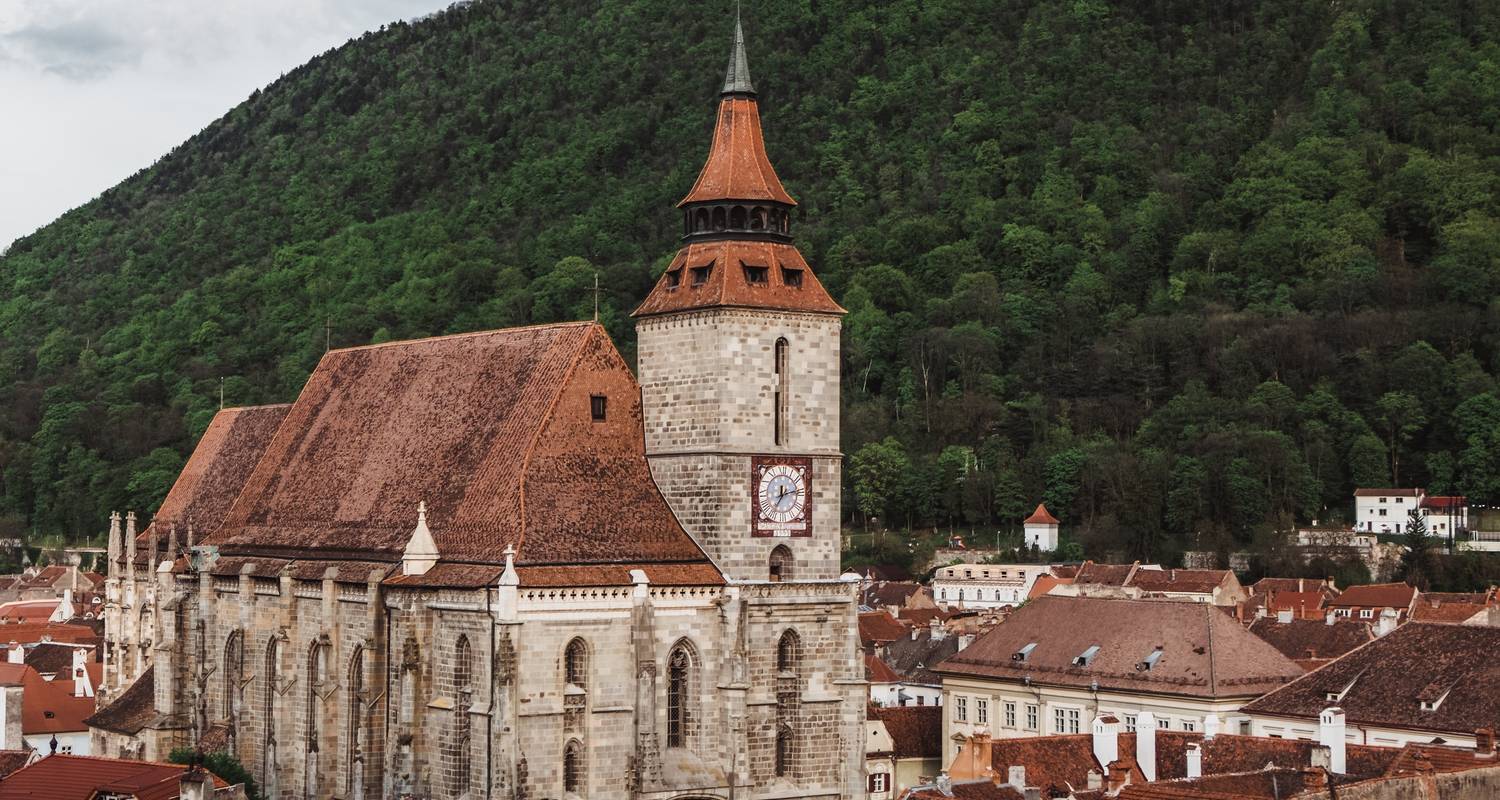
{"x": 944, "y": 784}
{"x": 936, "y": 630}
{"x": 1387, "y": 622}
{"x": 1106, "y": 740}
{"x": 1145, "y": 744}
{"x": 1331, "y": 736}
{"x": 1119, "y": 778}
{"x": 1095, "y": 780}
{"x": 1016, "y": 776}
{"x": 16, "y": 654}
{"x": 195, "y": 784}
{"x": 965, "y": 639}
{"x": 1484, "y": 743}
{"x": 1329, "y": 618}
{"x": 1284, "y": 615}
{"x": 1210, "y": 726}
{"x": 1194, "y": 760}
{"x": 80, "y": 674}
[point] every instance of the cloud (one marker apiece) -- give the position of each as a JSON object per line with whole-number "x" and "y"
{"x": 79, "y": 49}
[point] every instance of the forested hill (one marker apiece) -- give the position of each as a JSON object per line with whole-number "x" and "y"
{"x": 1180, "y": 268}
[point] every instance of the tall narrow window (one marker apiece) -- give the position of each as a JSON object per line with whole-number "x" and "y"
{"x": 463, "y": 684}
{"x": 784, "y": 752}
{"x": 317, "y": 671}
{"x": 355, "y": 757}
{"x": 573, "y": 775}
{"x": 576, "y": 664}
{"x": 463, "y": 665}
{"x": 780, "y": 398}
{"x": 270, "y": 765}
{"x": 679, "y": 677}
{"x": 788, "y": 652}
{"x": 234, "y": 669}
{"x": 781, "y": 563}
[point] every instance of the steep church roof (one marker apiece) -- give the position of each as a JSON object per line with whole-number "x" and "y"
{"x": 494, "y": 431}
{"x": 726, "y": 267}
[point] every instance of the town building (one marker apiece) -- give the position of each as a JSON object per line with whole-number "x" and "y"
{"x": 1371, "y": 600}
{"x": 72, "y": 777}
{"x": 905, "y": 749}
{"x": 1463, "y": 608}
{"x": 911, "y": 659}
{"x": 984, "y": 585}
{"x": 1384, "y": 510}
{"x": 1136, "y": 580}
{"x": 1041, "y": 529}
{"x": 1058, "y": 662}
{"x": 43, "y": 715}
{"x": 496, "y": 564}
{"x": 1421, "y": 683}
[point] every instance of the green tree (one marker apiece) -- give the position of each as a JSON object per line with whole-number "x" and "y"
{"x": 220, "y": 763}
{"x": 1402, "y": 417}
{"x": 879, "y": 470}
{"x": 1418, "y": 561}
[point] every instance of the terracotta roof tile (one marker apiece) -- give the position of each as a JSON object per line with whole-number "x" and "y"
{"x": 916, "y": 731}
{"x": 712, "y": 274}
{"x": 1387, "y": 492}
{"x": 1312, "y": 638}
{"x": 737, "y": 167}
{"x": 1180, "y": 580}
{"x": 1206, "y": 653}
{"x": 879, "y": 627}
{"x": 1265, "y": 585}
{"x": 69, "y": 777}
{"x": 877, "y": 671}
{"x": 492, "y": 430}
{"x": 1445, "y": 503}
{"x": 967, "y": 790}
{"x": 1041, "y": 516}
{"x": 1386, "y": 677}
{"x": 913, "y": 656}
{"x": 46, "y": 706}
{"x": 33, "y": 632}
{"x": 1451, "y": 606}
{"x": 891, "y": 593}
{"x": 1375, "y": 595}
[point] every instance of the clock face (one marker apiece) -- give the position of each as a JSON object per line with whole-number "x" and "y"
{"x": 780, "y": 497}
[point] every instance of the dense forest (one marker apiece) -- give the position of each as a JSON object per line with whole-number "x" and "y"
{"x": 1186, "y": 271}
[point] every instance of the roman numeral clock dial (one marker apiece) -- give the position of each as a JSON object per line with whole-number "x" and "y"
{"x": 781, "y": 497}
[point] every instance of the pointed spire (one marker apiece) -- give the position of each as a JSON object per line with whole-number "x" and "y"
{"x": 421, "y": 552}
{"x": 737, "y": 77}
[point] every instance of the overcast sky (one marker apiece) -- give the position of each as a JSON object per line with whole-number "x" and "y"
{"x": 93, "y": 90}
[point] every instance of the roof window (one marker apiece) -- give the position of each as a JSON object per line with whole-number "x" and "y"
{"x": 792, "y": 277}
{"x": 757, "y": 275}
{"x": 1335, "y": 695}
{"x": 674, "y": 278}
{"x": 1150, "y": 661}
{"x": 1024, "y": 653}
{"x": 598, "y": 407}
{"x": 700, "y": 274}
{"x": 1087, "y": 656}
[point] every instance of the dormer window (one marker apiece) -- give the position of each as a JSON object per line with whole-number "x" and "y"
{"x": 598, "y": 407}
{"x": 674, "y": 278}
{"x": 700, "y": 274}
{"x": 757, "y": 276}
{"x": 1150, "y": 661}
{"x": 1024, "y": 653}
{"x": 791, "y": 277}
{"x": 1087, "y": 656}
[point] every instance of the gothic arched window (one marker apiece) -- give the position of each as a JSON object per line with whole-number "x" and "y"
{"x": 234, "y": 671}
{"x": 700, "y": 220}
{"x": 719, "y": 221}
{"x": 779, "y": 398}
{"x": 317, "y": 673}
{"x": 463, "y": 680}
{"x": 573, "y": 768}
{"x": 758, "y": 219}
{"x": 356, "y": 756}
{"x": 737, "y": 218}
{"x": 788, "y": 652}
{"x": 679, "y": 695}
{"x": 781, "y": 563}
{"x": 785, "y": 751}
{"x": 463, "y": 665}
{"x": 576, "y": 664}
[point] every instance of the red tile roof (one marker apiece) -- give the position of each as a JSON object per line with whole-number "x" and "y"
{"x": 129, "y": 712}
{"x": 1041, "y": 516}
{"x": 1297, "y": 585}
{"x": 491, "y": 430}
{"x": 1205, "y": 652}
{"x": 33, "y": 632}
{"x": 1200, "y": 581}
{"x": 216, "y": 471}
{"x": 1384, "y": 682}
{"x": 46, "y": 706}
{"x": 916, "y": 731}
{"x": 737, "y": 167}
{"x": 12, "y": 760}
{"x": 721, "y": 263}
{"x": 69, "y": 777}
{"x": 1375, "y": 595}
{"x": 1308, "y": 639}
{"x": 878, "y": 627}
{"x": 1446, "y": 503}
{"x": 981, "y": 789}
{"x": 27, "y": 611}
{"x": 1387, "y": 492}
{"x": 1451, "y": 606}
{"x": 877, "y": 671}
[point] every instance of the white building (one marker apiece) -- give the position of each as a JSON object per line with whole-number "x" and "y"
{"x": 1041, "y": 529}
{"x": 1384, "y": 510}
{"x": 984, "y": 585}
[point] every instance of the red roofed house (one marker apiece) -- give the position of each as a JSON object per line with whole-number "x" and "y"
{"x": 1059, "y": 660}
{"x": 495, "y": 561}
{"x": 1041, "y": 529}
{"x": 71, "y": 777}
{"x": 904, "y": 749}
{"x": 46, "y": 716}
{"x": 1369, "y": 601}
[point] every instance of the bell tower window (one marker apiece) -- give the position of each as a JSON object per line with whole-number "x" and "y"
{"x": 779, "y": 398}
{"x": 700, "y": 274}
{"x": 757, "y": 276}
{"x": 781, "y": 564}
{"x": 791, "y": 277}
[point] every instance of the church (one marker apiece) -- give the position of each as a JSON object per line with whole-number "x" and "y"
{"x": 500, "y": 565}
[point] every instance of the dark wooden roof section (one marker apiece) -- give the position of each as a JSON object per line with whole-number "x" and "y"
{"x": 492, "y": 431}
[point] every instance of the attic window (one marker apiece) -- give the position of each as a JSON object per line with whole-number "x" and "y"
{"x": 1338, "y": 694}
{"x": 1087, "y": 656}
{"x": 598, "y": 407}
{"x": 791, "y": 277}
{"x": 1150, "y": 662}
{"x": 1024, "y": 653}
{"x": 700, "y": 274}
{"x": 757, "y": 275}
{"x": 674, "y": 278}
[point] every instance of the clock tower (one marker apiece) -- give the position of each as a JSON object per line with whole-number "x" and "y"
{"x": 739, "y": 366}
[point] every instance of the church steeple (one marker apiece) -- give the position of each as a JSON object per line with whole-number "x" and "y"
{"x": 737, "y": 77}
{"x": 737, "y": 239}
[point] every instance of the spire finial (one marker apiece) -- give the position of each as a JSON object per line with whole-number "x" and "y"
{"x": 737, "y": 77}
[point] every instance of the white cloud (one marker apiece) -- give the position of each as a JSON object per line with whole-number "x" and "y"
{"x": 93, "y": 90}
